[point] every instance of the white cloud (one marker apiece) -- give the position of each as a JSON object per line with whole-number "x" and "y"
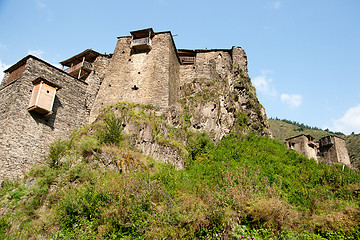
{"x": 37, "y": 53}
{"x": 293, "y": 100}
{"x": 264, "y": 85}
{"x": 40, "y": 4}
{"x": 3, "y": 67}
{"x": 350, "y": 122}
{"x": 276, "y": 4}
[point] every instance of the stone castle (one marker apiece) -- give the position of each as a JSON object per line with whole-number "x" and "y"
{"x": 40, "y": 103}
{"x": 330, "y": 149}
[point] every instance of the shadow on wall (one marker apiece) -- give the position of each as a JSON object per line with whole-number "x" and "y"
{"x": 47, "y": 120}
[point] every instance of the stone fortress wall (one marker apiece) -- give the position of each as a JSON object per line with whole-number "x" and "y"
{"x": 149, "y": 77}
{"x": 145, "y": 68}
{"x": 24, "y": 135}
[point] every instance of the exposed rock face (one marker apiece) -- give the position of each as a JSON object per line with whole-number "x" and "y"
{"x": 223, "y": 100}
{"x": 152, "y": 131}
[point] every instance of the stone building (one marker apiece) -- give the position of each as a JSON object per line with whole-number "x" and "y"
{"x": 303, "y": 144}
{"x": 40, "y": 103}
{"x": 29, "y": 126}
{"x": 331, "y": 149}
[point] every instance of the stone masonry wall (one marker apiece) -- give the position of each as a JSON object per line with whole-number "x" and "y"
{"x": 240, "y": 59}
{"x": 138, "y": 78}
{"x": 95, "y": 79}
{"x": 208, "y": 65}
{"x": 341, "y": 151}
{"x": 25, "y": 136}
{"x": 300, "y": 144}
{"x": 174, "y": 74}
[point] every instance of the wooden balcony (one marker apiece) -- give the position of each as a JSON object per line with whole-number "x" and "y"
{"x": 141, "y": 44}
{"x": 80, "y": 70}
{"x": 326, "y": 141}
{"x": 312, "y": 144}
{"x": 187, "y": 60}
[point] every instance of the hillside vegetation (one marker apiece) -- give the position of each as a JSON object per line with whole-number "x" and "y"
{"x": 283, "y": 129}
{"x": 96, "y": 185}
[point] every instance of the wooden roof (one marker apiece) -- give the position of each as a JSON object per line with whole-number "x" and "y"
{"x": 40, "y": 79}
{"x": 306, "y": 135}
{"x": 143, "y": 33}
{"x": 18, "y": 64}
{"x": 185, "y": 52}
{"x": 24, "y": 60}
{"x": 89, "y": 54}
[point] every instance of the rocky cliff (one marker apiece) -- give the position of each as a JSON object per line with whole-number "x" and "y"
{"x": 220, "y": 103}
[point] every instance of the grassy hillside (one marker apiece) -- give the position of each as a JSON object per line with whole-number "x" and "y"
{"x": 241, "y": 187}
{"x": 285, "y": 129}
{"x": 353, "y": 146}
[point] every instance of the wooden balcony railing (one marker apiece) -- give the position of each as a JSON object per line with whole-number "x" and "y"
{"x": 187, "y": 60}
{"x": 141, "y": 41}
{"x": 85, "y": 64}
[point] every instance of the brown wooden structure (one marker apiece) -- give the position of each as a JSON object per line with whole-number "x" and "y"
{"x": 80, "y": 65}
{"x": 141, "y": 40}
{"x": 43, "y": 96}
{"x": 187, "y": 57}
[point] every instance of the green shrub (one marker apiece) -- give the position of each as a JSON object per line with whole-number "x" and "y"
{"x": 110, "y": 133}
{"x": 57, "y": 150}
{"x": 17, "y": 193}
{"x": 245, "y": 185}
{"x": 88, "y": 145}
{"x": 4, "y": 227}
{"x": 197, "y": 146}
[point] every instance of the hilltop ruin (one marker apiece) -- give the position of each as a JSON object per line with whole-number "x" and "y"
{"x": 40, "y": 103}
{"x": 330, "y": 149}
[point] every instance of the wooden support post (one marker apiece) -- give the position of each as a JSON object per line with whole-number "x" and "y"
{"x": 82, "y": 64}
{"x": 79, "y": 74}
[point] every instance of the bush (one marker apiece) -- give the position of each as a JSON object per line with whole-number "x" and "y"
{"x": 57, "y": 150}
{"x": 110, "y": 133}
{"x": 88, "y": 145}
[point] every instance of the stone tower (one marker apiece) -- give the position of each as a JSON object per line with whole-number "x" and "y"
{"x": 303, "y": 144}
{"x": 143, "y": 69}
{"x": 333, "y": 150}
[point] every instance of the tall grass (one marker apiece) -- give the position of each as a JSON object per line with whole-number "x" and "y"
{"x": 242, "y": 187}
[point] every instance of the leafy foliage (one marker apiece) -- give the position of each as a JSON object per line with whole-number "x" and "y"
{"x": 244, "y": 186}
{"x": 111, "y": 131}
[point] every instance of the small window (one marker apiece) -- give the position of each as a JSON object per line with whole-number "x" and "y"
{"x": 134, "y": 87}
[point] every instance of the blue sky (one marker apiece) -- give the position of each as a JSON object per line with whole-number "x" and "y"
{"x": 303, "y": 56}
